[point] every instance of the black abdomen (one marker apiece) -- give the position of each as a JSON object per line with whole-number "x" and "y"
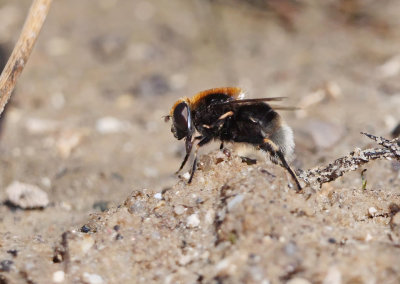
{"x": 250, "y": 123}
{"x": 253, "y": 123}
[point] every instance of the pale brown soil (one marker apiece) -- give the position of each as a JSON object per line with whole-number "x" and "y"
{"x": 236, "y": 223}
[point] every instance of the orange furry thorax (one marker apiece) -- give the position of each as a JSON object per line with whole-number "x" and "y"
{"x": 233, "y": 92}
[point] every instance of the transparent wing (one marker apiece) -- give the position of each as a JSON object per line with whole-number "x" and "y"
{"x": 246, "y": 101}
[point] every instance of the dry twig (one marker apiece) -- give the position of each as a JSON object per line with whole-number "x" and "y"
{"x": 320, "y": 175}
{"x": 22, "y": 50}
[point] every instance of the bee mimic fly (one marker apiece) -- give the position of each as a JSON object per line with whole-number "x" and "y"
{"x": 222, "y": 114}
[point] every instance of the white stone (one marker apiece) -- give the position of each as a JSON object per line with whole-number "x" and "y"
{"x": 298, "y": 281}
{"x": 334, "y": 276}
{"x": 210, "y": 215}
{"x": 234, "y": 201}
{"x": 39, "y": 126}
{"x": 92, "y": 278}
{"x": 390, "y": 68}
{"x": 372, "y": 211}
{"x": 58, "y": 276}
{"x": 108, "y": 125}
{"x": 26, "y": 196}
{"x": 86, "y": 244}
{"x": 67, "y": 141}
{"x": 193, "y": 220}
{"x": 46, "y": 182}
{"x": 179, "y": 209}
{"x": 158, "y": 196}
{"x": 186, "y": 176}
{"x": 368, "y": 237}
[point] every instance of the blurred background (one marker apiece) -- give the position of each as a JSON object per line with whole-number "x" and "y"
{"x": 85, "y": 121}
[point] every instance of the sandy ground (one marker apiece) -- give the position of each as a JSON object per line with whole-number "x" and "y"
{"x": 85, "y": 125}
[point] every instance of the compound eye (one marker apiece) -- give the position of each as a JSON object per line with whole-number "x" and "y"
{"x": 180, "y": 117}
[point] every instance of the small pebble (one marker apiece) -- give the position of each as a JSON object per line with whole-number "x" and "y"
{"x": 220, "y": 155}
{"x": 193, "y": 221}
{"x": 65, "y": 206}
{"x": 185, "y": 259}
{"x": 395, "y": 222}
{"x": 85, "y": 229}
{"x": 235, "y": 201}
{"x": 298, "y": 281}
{"x": 396, "y": 166}
{"x": 390, "y": 68}
{"x": 209, "y": 218}
{"x": 372, "y": 211}
{"x": 333, "y": 90}
{"x": 79, "y": 246}
{"x": 26, "y": 196}
{"x": 334, "y": 276}
{"x": 290, "y": 248}
{"x": 58, "y": 276}
{"x": 40, "y": 126}
{"x": 46, "y": 182}
{"x": 158, "y": 196}
{"x": 86, "y": 244}
{"x": 394, "y": 208}
{"x": 109, "y": 125}
{"x": 186, "y": 176}
{"x": 223, "y": 265}
{"x": 101, "y": 205}
{"x": 13, "y": 252}
{"x": 5, "y": 265}
{"x": 92, "y": 278}
{"x": 138, "y": 207}
{"x": 67, "y": 141}
{"x": 179, "y": 209}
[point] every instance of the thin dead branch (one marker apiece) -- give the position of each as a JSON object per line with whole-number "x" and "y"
{"x": 392, "y": 145}
{"x": 320, "y": 175}
{"x": 23, "y": 48}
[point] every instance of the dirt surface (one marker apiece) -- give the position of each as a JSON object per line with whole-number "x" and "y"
{"x": 85, "y": 125}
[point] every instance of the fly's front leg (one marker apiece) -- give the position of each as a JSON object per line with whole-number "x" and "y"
{"x": 202, "y": 142}
{"x": 188, "y": 146}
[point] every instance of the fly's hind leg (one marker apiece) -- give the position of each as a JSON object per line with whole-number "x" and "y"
{"x": 274, "y": 151}
{"x": 202, "y": 142}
